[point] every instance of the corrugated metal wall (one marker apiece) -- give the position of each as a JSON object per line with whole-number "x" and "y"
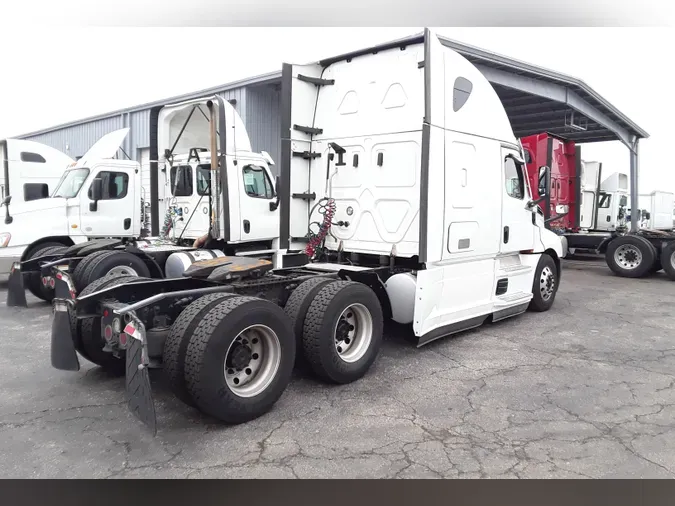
{"x": 263, "y": 120}
{"x": 77, "y": 139}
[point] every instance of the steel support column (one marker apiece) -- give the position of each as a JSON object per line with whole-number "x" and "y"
{"x": 634, "y": 166}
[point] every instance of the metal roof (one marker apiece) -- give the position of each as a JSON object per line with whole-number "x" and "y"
{"x": 536, "y": 99}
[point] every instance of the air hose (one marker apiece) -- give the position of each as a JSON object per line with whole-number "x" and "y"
{"x": 327, "y": 208}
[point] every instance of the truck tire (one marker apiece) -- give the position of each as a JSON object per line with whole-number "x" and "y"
{"x": 342, "y": 333}
{"x": 78, "y": 272}
{"x": 630, "y": 256}
{"x": 34, "y": 281}
{"x": 296, "y": 308}
{"x": 250, "y": 340}
{"x": 175, "y": 346}
{"x": 109, "y": 262}
{"x": 544, "y": 285}
{"x": 668, "y": 259}
{"x": 87, "y": 332}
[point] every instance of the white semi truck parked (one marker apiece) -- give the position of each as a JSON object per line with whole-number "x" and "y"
{"x": 93, "y": 221}
{"x": 29, "y": 171}
{"x": 403, "y": 195}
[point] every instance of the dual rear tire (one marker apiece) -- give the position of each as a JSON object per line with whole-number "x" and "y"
{"x": 233, "y": 356}
{"x": 110, "y": 262}
{"x": 633, "y": 256}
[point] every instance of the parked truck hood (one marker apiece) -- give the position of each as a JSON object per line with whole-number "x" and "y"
{"x": 106, "y": 147}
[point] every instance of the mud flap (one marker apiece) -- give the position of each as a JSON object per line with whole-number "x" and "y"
{"x": 16, "y": 293}
{"x": 139, "y": 390}
{"x": 64, "y": 356}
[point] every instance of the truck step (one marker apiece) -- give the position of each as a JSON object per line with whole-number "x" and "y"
{"x": 255, "y": 253}
{"x": 308, "y": 130}
{"x": 307, "y": 155}
{"x": 512, "y": 299}
{"x": 316, "y": 80}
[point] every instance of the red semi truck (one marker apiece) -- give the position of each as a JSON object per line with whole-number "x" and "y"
{"x": 589, "y": 212}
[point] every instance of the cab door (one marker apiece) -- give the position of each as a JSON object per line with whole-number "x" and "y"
{"x": 114, "y": 214}
{"x": 259, "y": 214}
{"x": 517, "y": 232}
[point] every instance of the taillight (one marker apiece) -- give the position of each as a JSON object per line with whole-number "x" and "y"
{"x": 108, "y": 332}
{"x": 123, "y": 340}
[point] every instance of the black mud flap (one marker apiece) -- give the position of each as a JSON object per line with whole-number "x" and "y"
{"x": 16, "y": 293}
{"x": 139, "y": 390}
{"x": 64, "y": 356}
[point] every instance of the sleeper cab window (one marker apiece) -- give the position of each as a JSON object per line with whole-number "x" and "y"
{"x": 115, "y": 185}
{"x": 256, "y": 182}
{"x": 203, "y": 179}
{"x": 513, "y": 177}
{"x": 27, "y": 156}
{"x": 181, "y": 181}
{"x": 460, "y": 93}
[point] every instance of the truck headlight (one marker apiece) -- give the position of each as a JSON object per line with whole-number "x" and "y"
{"x": 4, "y": 239}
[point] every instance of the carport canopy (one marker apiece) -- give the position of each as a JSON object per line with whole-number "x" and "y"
{"x": 541, "y": 100}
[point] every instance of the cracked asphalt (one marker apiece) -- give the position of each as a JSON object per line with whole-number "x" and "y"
{"x": 585, "y": 390}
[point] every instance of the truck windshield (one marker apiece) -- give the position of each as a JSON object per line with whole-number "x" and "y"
{"x": 70, "y": 183}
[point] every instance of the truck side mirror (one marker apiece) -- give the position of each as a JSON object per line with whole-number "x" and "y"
{"x": 96, "y": 193}
{"x": 544, "y": 180}
{"x": 543, "y": 186}
{"x": 274, "y": 205}
{"x": 6, "y": 201}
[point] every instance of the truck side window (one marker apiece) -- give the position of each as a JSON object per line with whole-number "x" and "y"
{"x": 514, "y": 178}
{"x": 35, "y": 191}
{"x": 605, "y": 200}
{"x": 181, "y": 181}
{"x": 115, "y": 185}
{"x": 256, "y": 182}
{"x": 203, "y": 179}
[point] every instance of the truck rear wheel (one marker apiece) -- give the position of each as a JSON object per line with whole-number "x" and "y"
{"x": 630, "y": 256}
{"x": 34, "y": 280}
{"x": 78, "y": 272}
{"x": 545, "y": 285}
{"x": 112, "y": 262}
{"x": 668, "y": 259}
{"x": 342, "y": 332}
{"x": 175, "y": 347}
{"x": 296, "y": 308}
{"x": 240, "y": 359}
{"x": 86, "y": 332}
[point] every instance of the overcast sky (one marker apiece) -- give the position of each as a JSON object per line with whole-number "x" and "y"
{"x": 54, "y": 76}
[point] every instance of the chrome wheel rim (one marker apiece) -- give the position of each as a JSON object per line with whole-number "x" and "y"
{"x": 672, "y": 259}
{"x": 353, "y": 333}
{"x": 628, "y": 256}
{"x": 122, "y": 270}
{"x": 546, "y": 283}
{"x": 252, "y": 361}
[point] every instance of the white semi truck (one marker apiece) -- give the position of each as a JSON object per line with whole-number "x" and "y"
{"x": 94, "y": 218}
{"x": 30, "y": 171}
{"x": 402, "y": 195}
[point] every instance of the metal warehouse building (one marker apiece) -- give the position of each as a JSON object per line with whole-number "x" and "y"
{"x": 535, "y": 100}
